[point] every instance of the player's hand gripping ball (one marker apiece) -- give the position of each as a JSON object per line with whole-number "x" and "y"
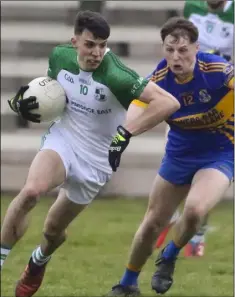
{"x": 42, "y": 100}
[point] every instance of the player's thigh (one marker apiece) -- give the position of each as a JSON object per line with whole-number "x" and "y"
{"x": 46, "y": 171}
{"x": 52, "y": 163}
{"x": 208, "y": 188}
{"x": 165, "y": 197}
{"x": 61, "y": 214}
{"x": 84, "y": 181}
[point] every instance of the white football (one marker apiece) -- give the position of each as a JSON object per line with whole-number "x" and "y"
{"x": 50, "y": 96}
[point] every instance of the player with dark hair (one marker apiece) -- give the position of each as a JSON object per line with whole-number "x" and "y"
{"x": 74, "y": 151}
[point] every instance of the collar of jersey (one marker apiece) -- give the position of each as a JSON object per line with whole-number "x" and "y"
{"x": 186, "y": 80}
{"x": 190, "y": 77}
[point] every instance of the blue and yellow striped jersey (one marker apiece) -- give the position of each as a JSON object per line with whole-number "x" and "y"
{"x": 205, "y": 120}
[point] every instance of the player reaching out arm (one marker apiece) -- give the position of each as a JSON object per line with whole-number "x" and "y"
{"x": 160, "y": 107}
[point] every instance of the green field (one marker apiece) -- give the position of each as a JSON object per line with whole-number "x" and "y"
{"x": 94, "y": 256}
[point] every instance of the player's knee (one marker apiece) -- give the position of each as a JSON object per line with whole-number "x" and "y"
{"x": 193, "y": 215}
{"x": 153, "y": 222}
{"x": 53, "y": 237}
{"x": 29, "y": 196}
{"x": 52, "y": 231}
{"x": 33, "y": 190}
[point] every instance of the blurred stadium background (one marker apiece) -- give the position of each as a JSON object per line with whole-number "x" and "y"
{"x": 29, "y": 30}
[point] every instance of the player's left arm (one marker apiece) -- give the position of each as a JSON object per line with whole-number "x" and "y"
{"x": 127, "y": 85}
{"x": 161, "y": 105}
{"x": 152, "y": 100}
{"x": 136, "y": 108}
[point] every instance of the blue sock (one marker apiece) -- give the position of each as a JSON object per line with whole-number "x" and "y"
{"x": 171, "y": 251}
{"x": 130, "y": 278}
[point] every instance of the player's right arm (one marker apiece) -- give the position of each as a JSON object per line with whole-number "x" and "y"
{"x": 24, "y": 107}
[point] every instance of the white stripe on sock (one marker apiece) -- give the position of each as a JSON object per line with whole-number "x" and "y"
{"x": 5, "y": 251}
{"x": 39, "y": 258}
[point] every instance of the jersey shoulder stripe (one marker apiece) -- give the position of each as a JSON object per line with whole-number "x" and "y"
{"x": 158, "y": 77}
{"x": 211, "y": 63}
{"x": 210, "y": 59}
{"x": 160, "y": 72}
{"x": 213, "y": 67}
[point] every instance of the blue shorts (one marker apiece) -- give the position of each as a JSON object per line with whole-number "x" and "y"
{"x": 181, "y": 170}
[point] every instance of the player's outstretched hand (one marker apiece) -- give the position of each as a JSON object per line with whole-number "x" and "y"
{"x": 117, "y": 147}
{"x": 23, "y": 107}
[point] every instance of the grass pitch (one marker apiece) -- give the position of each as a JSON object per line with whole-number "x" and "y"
{"x": 94, "y": 256}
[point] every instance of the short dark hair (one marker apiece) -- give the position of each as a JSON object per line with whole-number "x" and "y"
{"x": 92, "y": 21}
{"x": 179, "y": 27}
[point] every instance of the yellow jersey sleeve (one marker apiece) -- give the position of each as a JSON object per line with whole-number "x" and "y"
{"x": 231, "y": 84}
{"x": 139, "y": 103}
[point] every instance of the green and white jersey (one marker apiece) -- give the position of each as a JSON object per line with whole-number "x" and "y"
{"x": 97, "y": 101}
{"x": 215, "y": 29}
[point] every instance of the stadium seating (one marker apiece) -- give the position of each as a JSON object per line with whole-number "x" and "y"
{"x": 29, "y": 30}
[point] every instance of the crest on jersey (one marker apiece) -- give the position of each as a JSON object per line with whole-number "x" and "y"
{"x": 210, "y": 26}
{"x": 204, "y": 97}
{"x": 100, "y": 94}
{"x": 228, "y": 69}
{"x": 225, "y": 32}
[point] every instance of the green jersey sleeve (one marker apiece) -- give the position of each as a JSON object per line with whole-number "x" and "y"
{"x": 52, "y": 69}
{"x": 194, "y": 7}
{"x": 62, "y": 57}
{"x": 122, "y": 81}
{"x": 186, "y": 10}
{"x": 200, "y": 8}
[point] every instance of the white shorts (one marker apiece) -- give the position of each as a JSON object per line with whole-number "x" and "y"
{"x": 83, "y": 181}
